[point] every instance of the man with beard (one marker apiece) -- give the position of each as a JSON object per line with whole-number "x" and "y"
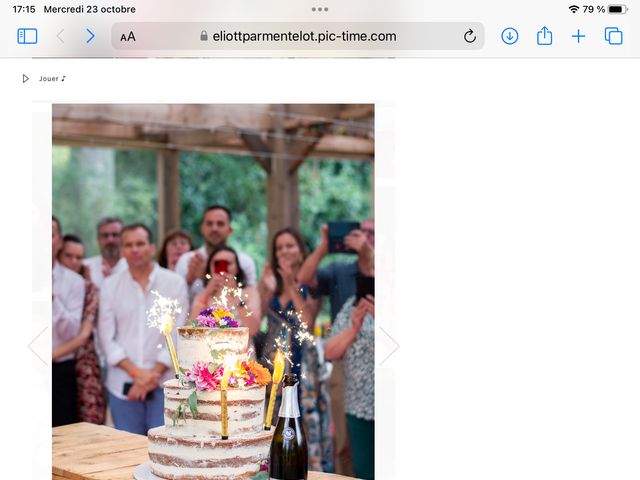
{"x": 109, "y": 260}
{"x": 215, "y": 228}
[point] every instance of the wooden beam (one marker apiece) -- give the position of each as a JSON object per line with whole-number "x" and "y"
{"x": 168, "y": 178}
{"x": 62, "y": 128}
{"x": 339, "y": 145}
{"x": 357, "y": 111}
{"x": 282, "y": 189}
{"x": 171, "y": 116}
{"x": 303, "y": 147}
{"x": 261, "y": 151}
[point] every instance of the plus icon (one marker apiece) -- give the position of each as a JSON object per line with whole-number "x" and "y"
{"x": 578, "y": 36}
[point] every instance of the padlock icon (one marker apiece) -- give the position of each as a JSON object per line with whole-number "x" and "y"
{"x": 203, "y": 36}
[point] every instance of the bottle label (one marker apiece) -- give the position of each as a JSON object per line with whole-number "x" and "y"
{"x": 289, "y": 433}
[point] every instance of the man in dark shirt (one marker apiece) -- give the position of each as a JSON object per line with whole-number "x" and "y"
{"x": 338, "y": 279}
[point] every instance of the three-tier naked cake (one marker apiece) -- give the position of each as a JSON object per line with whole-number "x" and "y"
{"x": 189, "y": 446}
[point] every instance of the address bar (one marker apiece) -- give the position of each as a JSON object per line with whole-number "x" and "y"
{"x": 399, "y": 36}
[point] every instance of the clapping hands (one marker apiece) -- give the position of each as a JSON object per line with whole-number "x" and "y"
{"x": 195, "y": 268}
{"x": 365, "y": 305}
{"x": 268, "y": 280}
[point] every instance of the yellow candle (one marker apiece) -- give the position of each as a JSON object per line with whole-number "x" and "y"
{"x": 278, "y": 370}
{"x": 224, "y": 414}
{"x": 166, "y": 330}
{"x": 174, "y": 357}
{"x": 229, "y": 366}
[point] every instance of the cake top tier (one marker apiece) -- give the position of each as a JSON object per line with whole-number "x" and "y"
{"x": 203, "y": 344}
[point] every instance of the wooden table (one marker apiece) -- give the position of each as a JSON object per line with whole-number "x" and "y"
{"x": 84, "y": 451}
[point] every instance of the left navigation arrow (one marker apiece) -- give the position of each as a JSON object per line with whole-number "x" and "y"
{"x": 91, "y": 37}
{"x": 59, "y": 37}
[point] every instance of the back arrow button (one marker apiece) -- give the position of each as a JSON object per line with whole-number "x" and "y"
{"x": 59, "y": 37}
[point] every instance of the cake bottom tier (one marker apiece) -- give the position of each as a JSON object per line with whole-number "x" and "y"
{"x": 176, "y": 456}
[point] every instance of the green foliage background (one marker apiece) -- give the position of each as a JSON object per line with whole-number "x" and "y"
{"x": 89, "y": 183}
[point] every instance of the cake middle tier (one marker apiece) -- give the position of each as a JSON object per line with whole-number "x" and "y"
{"x": 245, "y": 409}
{"x": 210, "y": 344}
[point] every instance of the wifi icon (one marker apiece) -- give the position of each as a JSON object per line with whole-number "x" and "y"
{"x": 574, "y": 8}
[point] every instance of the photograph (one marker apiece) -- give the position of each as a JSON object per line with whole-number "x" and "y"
{"x": 213, "y": 290}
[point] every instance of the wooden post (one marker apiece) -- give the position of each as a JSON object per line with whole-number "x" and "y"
{"x": 280, "y": 158}
{"x": 168, "y": 175}
{"x": 279, "y": 196}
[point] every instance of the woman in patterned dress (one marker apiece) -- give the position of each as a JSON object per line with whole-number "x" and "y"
{"x": 282, "y": 296}
{"x": 91, "y": 403}
{"x": 352, "y": 340}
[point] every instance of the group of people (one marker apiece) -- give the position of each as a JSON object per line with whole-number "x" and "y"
{"x": 123, "y": 367}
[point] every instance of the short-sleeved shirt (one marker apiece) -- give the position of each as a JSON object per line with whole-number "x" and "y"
{"x": 359, "y": 364}
{"x": 338, "y": 281}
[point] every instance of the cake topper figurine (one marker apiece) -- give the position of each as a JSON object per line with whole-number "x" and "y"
{"x": 278, "y": 370}
{"x": 161, "y": 316}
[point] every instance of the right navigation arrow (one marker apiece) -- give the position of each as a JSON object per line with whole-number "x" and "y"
{"x": 388, "y": 344}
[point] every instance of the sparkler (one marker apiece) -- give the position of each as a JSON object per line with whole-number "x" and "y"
{"x": 278, "y": 370}
{"x": 229, "y": 297}
{"x": 229, "y": 367}
{"x": 161, "y": 316}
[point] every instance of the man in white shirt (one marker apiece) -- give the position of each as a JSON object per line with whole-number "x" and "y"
{"x": 215, "y": 228}
{"x": 138, "y": 361}
{"x": 109, "y": 261}
{"x": 67, "y": 304}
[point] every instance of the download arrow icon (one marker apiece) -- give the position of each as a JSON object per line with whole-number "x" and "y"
{"x": 509, "y": 35}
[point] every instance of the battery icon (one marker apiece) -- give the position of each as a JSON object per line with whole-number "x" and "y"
{"x": 618, "y": 9}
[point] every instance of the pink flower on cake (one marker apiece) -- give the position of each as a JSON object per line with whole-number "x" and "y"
{"x": 202, "y": 376}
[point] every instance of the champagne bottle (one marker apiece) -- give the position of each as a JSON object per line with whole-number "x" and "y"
{"x": 288, "y": 455}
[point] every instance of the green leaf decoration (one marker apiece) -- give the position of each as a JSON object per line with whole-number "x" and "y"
{"x": 217, "y": 357}
{"x": 261, "y": 476}
{"x": 194, "y": 322}
{"x": 174, "y": 417}
{"x": 179, "y": 412}
{"x": 193, "y": 404}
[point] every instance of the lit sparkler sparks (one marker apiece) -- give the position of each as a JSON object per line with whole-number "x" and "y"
{"x": 160, "y": 316}
{"x": 229, "y": 297}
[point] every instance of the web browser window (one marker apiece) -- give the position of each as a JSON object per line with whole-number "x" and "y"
{"x": 321, "y": 239}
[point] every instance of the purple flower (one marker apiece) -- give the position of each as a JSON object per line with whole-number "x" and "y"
{"x": 204, "y": 321}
